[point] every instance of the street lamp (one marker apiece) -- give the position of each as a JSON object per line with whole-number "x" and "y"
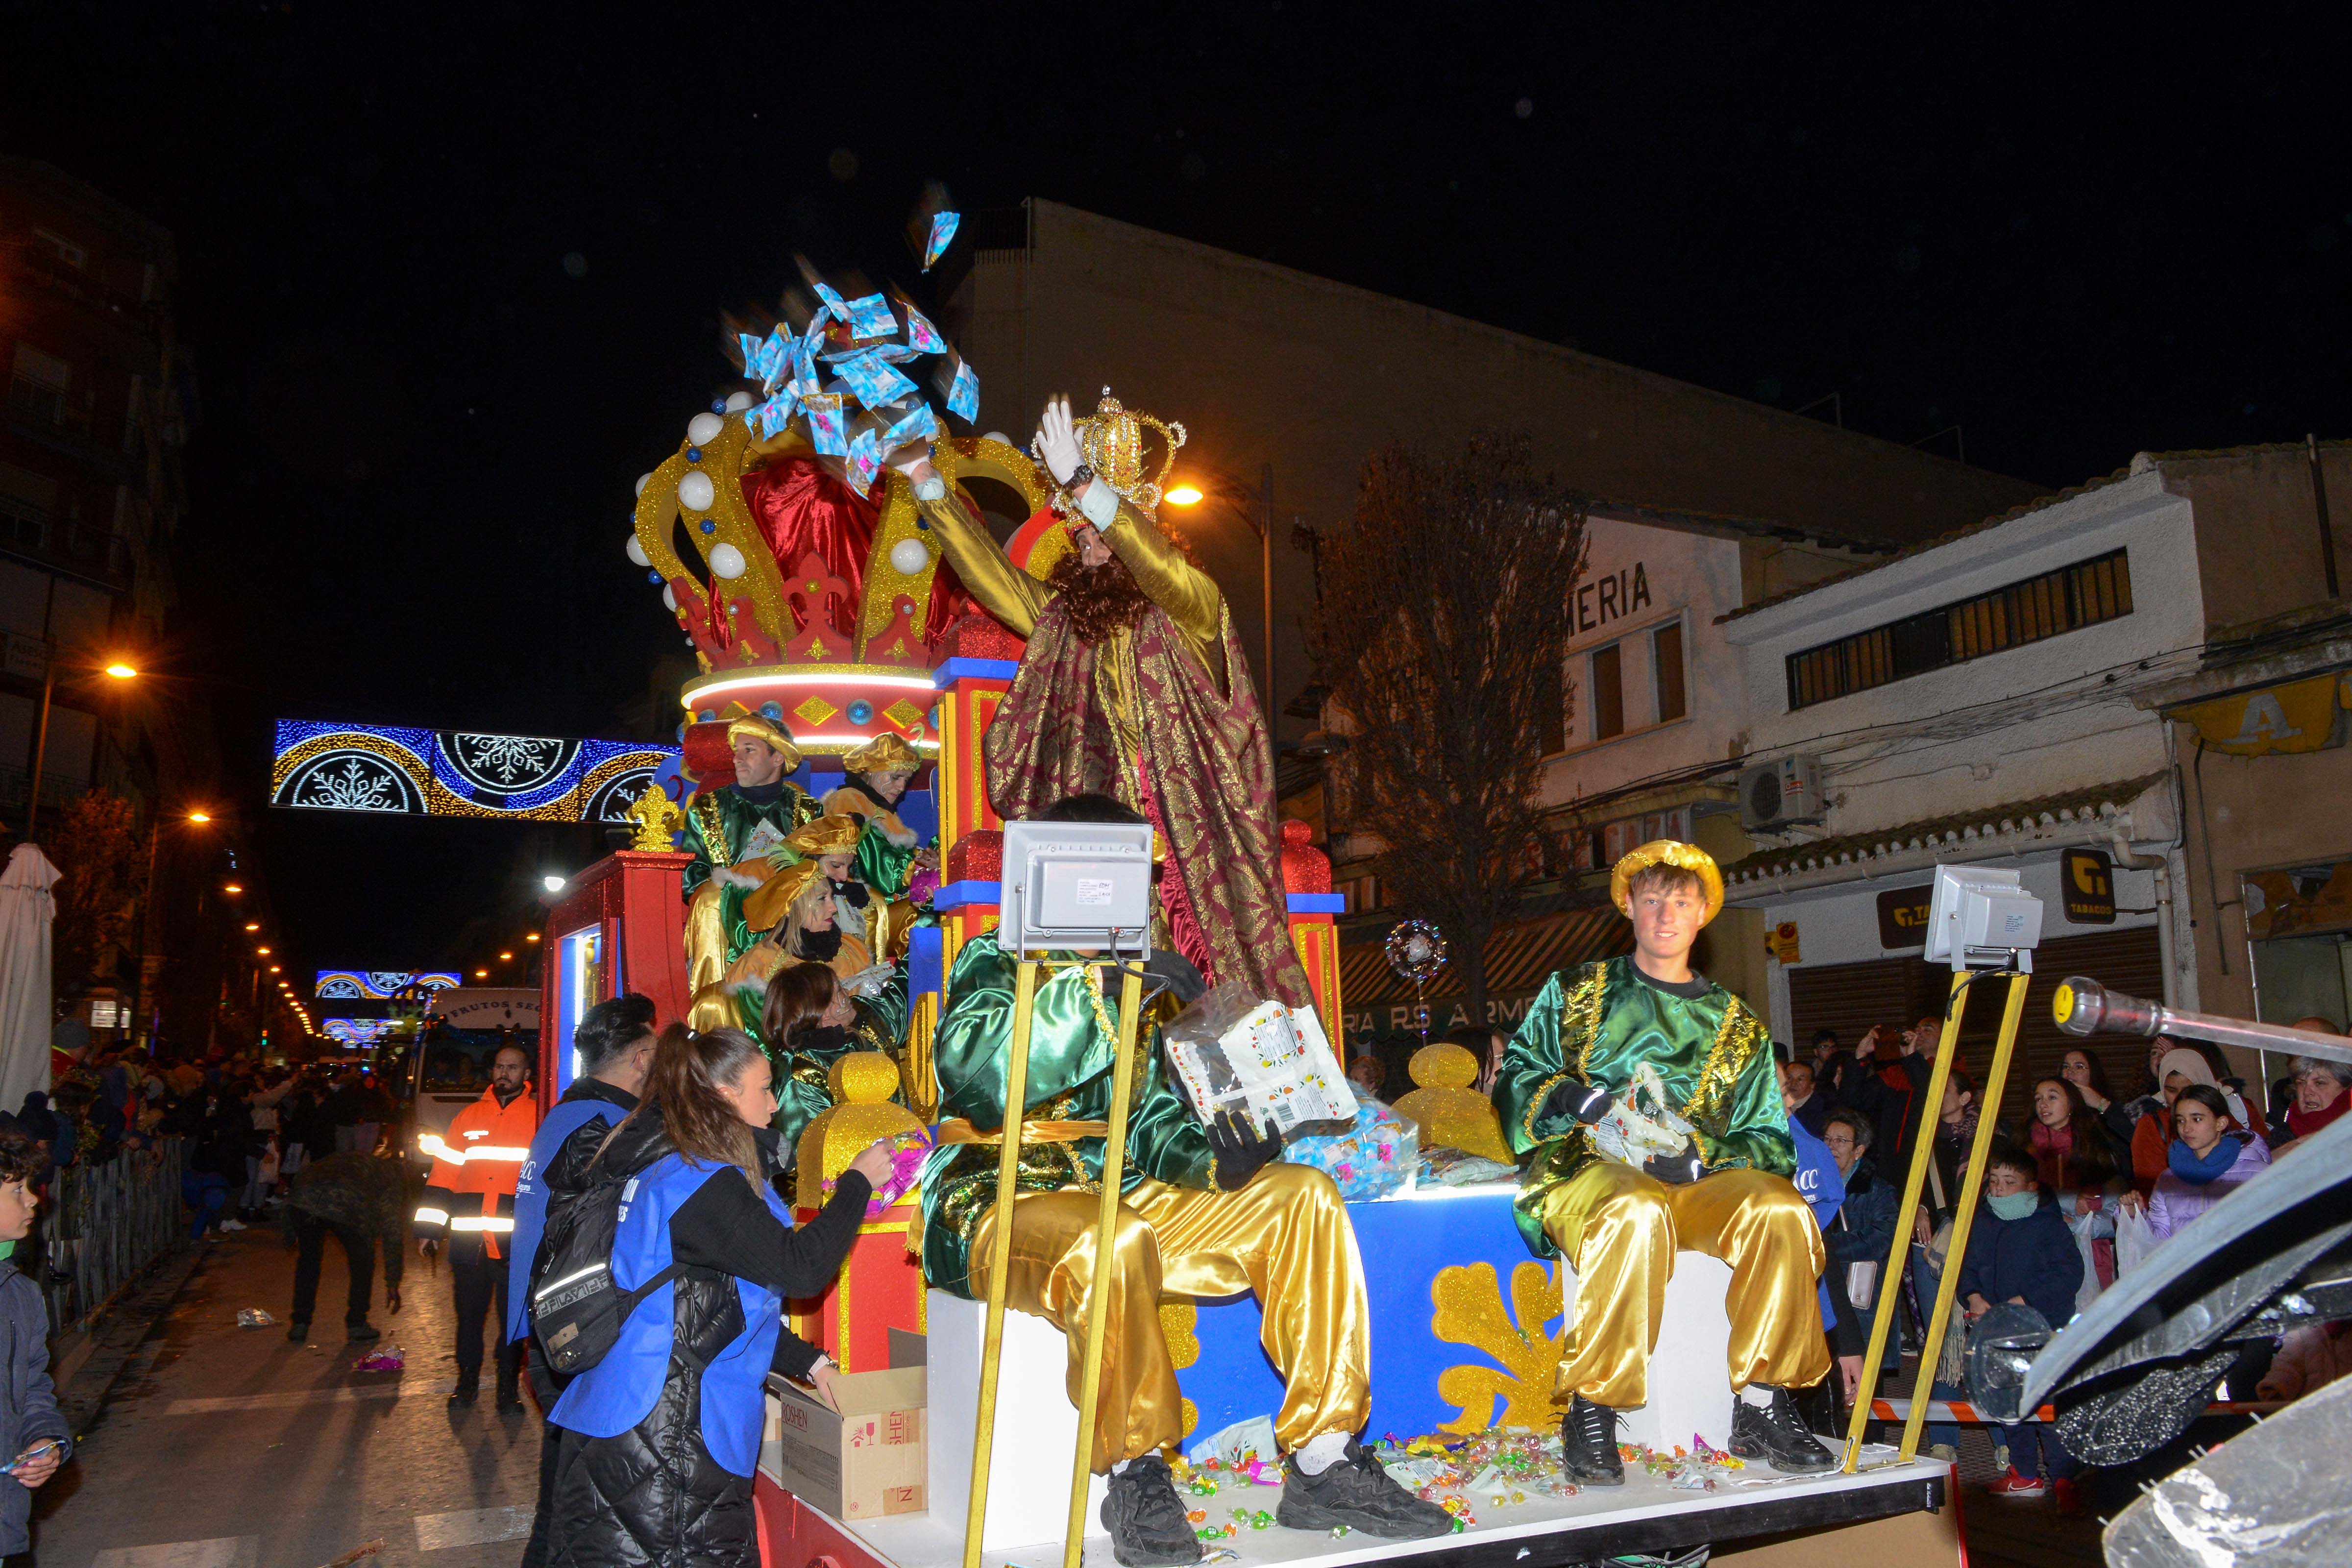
{"x": 196, "y": 818}
{"x": 232, "y": 887}
{"x": 253, "y": 925}
{"x": 118, "y": 669}
{"x": 1258, "y": 509}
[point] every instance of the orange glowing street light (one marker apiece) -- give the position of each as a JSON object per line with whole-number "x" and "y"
{"x": 121, "y": 672}
{"x": 506, "y": 958}
{"x": 253, "y": 925}
{"x": 200, "y": 818}
{"x": 232, "y": 888}
{"x": 1184, "y": 495}
{"x": 263, "y": 950}
{"x": 481, "y": 974}
{"x": 277, "y": 968}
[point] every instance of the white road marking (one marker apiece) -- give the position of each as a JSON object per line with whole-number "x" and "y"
{"x": 225, "y": 1552}
{"x": 406, "y": 1388}
{"x": 472, "y": 1527}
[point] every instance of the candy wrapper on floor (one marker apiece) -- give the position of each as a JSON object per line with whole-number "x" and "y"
{"x": 1375, "y": 1157}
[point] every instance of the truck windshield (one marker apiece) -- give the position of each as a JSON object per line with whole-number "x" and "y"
{"x": 456, "y": 1060}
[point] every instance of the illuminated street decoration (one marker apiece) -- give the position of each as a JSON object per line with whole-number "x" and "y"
{"x": 451, "y": 772}
{"x": 356, "y": 1031}
{"x": 353, "y": 985}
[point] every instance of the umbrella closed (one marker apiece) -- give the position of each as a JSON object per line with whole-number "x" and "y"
{"x": 27, "y": 910}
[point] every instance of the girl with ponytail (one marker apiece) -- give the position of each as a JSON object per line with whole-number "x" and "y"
{"x": 658, "y": 1439}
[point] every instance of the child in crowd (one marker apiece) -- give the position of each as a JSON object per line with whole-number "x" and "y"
{"x": 2209, "y": 1158}
{"x": 2020, "y": 1251}
{"x": 31, "y": 1428}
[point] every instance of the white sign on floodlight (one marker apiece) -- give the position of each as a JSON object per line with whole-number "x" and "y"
{"x": 1077, "y": 885}
{"x": 1980, "y": 918}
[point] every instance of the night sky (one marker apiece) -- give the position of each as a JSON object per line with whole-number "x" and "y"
{"x": 451, "y": 276}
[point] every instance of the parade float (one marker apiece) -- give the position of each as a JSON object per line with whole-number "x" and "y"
{"x": 802, "y": 572}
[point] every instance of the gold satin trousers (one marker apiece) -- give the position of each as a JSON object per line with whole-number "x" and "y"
{"x": 1620, "y": 1230}
{"x": 1284, "y": 1237}
{"x": 706, "y": 939}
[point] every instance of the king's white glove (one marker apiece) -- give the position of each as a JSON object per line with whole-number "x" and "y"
{"x": 1057, "y": 439}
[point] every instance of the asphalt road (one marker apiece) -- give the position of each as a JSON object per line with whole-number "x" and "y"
{"x": 229, "y": 1447}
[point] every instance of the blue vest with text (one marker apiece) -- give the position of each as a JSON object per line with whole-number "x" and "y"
{"x": 621, "y": 1390}
{"x": 530, "y": 1202}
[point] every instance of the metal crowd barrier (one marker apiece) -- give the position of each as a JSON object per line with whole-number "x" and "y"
{"x": 103, "y": 1225}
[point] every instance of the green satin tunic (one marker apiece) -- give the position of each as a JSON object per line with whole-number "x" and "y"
{"x": 738, "y": 820}
{"x": 1595, "y": 1025}
{"x": 1071, "y": 1054}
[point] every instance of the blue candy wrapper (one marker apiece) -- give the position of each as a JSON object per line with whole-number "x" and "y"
{"x": 832, "y": 302}
{"x": 870, "y": 317}
{"x": 804, "y": 358}
{"x": 943, "y": 229}
{"x": 825, "y": 424}
{"x": 1376, "y": 1157}
{"x": 875, "y": 383}
{"x": 751, "y": 347}
{"x": 963, "y": 392}
{"x": 774, "y": 415}
{"x": 920, "y": 425}
{"x": 865, "y": 461}
{"x": 921, "y": 336}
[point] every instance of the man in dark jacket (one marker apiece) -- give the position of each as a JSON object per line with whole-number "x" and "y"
{"x": 363, "y": 1201}
{"x": 615, "y": 1046}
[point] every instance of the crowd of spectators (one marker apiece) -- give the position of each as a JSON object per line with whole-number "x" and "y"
{"x": 2087, "y": 1166}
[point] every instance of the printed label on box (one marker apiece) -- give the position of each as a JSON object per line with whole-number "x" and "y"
{"x": 1094, "y": 890}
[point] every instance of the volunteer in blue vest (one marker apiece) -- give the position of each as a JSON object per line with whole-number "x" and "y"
{"x": 659, "y": 1438}
{"x": 468, "y": 1205}
{"x": 614, "y": 1048}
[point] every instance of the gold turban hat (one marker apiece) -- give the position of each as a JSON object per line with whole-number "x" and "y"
{"x": 766, "y": 730}
{"x": 827, "y": 836}
{"x": 1667, "y": 852}
{"x": 765, "y": 906}
{"x": 883, "y": 754}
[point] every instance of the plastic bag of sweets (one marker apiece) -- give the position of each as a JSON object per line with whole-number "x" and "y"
{"x": 1375, "y": 1156}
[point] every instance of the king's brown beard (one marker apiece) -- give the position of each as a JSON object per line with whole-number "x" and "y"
{"x": 1099, "y": 600}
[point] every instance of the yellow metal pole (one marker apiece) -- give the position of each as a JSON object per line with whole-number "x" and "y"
{"x": 1130, "y": 1004}
{"x": 1923, "y": 1385}
{"x": 1889, "y": 1284}
{"x": 1000, "y": 1253}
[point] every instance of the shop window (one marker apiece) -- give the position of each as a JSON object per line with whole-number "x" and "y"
{"x": 1666, "y": 670}
{"x": 2068, "y": 599}
{"x": 1608, "y": 692}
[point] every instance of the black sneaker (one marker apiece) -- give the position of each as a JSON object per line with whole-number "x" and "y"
{"x": 1146, "y": 1517}
{"x": 361, "y": 1333}
{"x": 298, "y": 1331}
{"x": 1777, "y": 1435}
{"x": 469, "y": 1389}
{"x": 1587, "y": 1444}
{"x": 1356, "y": 1492}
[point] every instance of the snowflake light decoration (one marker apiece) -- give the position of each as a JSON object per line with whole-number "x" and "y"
{"x": 1417, "y": 951}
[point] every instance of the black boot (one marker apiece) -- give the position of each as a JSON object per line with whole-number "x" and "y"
{"x": 360, "y": 1332}
{"x": 1356, "y": 1493}
{"x": 509, "y": 1396}
{"x": 298, "y": 1331}
{"x": 1146, "y": 1517}
{"x": 469, "y": 1385}
{"x": 1587, "y": 1444}
{"x": 1777, "y": 1435}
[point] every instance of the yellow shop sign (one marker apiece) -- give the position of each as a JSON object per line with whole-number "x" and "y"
{"x": 2300, "y": 716}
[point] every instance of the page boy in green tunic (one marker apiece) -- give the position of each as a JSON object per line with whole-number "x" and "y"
{"x": 1650, "y": 1102}
{"x": 728, "y": 831}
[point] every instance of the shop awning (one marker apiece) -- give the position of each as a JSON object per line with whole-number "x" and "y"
{"x": 1519, "y": 957}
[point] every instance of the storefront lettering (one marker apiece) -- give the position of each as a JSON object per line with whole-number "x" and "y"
{"x": 1600, "y": 600}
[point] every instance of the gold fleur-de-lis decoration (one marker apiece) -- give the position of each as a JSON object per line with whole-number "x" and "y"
{"x": 1470, "y": 1313}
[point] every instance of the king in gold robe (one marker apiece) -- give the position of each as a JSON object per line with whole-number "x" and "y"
{"x": 729, "y": 830}
{"x": 1134, "y": 686}
{"x": 1609, "y": 1040}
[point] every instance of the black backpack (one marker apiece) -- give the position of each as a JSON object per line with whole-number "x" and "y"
{"x": 577, "y": 1307}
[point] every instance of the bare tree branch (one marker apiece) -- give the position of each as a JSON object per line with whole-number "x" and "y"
{"x": 1441, "y": 635}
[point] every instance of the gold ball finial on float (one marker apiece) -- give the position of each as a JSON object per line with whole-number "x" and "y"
{"x": 862, "y": 1084}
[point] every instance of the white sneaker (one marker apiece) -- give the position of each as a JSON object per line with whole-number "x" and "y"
{"x": 232, "y": 1225}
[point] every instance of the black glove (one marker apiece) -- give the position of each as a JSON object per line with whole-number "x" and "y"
{"x": 1674, "y": 1170}
{"x": 1242, "y": 1148}
{"x": 1587, "y": 1102}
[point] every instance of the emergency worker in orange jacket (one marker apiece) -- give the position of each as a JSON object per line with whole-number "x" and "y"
{"x": 468, "y": 1205}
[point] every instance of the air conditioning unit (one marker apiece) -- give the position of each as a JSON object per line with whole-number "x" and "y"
{"x": 1773, "y": 795}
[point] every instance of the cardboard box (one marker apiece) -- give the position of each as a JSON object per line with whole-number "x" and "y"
{"x": 863, "y": 1461}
